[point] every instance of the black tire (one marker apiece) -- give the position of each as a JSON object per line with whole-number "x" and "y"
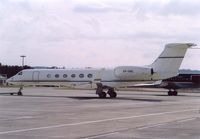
{"x": 102, "y": 95}
{"x": 112, "y": 94}
{"x": 175, "y": 93}
{"x": 11, "y": 94}
{"x": 19, "y": 94}
{"x": 170, "y": 93}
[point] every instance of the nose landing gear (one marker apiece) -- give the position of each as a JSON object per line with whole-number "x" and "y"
{"x": 19, "y": 93}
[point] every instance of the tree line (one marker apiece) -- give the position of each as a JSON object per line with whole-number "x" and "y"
{"x": 11, "y": 70}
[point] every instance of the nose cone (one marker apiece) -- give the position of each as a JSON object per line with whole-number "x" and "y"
{"x": 9, "y": 80}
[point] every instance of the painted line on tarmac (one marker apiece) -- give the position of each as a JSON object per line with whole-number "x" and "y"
{"x": 101, "y": 135}
{"x": 28, "y": 110}
{"x": 18, "y": 118}
{"x": 139, "y": 128}
{"x": 95, "y": 121}
{"x": 166, "y": 123}
{"x": 186, "y": 120}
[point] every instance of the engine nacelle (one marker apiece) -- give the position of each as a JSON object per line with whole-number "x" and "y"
{"x": 133, "y": 73}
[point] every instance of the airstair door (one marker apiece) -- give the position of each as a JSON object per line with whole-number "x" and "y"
{"x": 35, "y": 76}
{"x": 98, "y": 76}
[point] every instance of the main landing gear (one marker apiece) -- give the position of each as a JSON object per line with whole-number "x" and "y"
{"x": 112, "y": 93}
{"x": 172, "y": 93}
{"x": 103, "y": 94}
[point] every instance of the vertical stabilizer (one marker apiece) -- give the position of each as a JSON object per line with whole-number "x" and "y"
{"x": 169, "y": 61}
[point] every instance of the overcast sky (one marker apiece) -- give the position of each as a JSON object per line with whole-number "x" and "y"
{"x": 96, "y": 33}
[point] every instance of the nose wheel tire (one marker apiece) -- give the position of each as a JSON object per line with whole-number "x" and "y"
{"x": 19, "y": 93}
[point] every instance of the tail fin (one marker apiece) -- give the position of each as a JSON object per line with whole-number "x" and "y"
{"x": 169, "y": 61}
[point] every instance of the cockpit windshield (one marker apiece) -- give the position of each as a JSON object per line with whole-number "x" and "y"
{"x": 20, "y": 73}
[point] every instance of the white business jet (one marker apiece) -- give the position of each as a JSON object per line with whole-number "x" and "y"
{"x": 106, "y": 81}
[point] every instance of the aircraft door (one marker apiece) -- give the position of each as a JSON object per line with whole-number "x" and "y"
{"x": 98, "y": 75}
{"x": 35, "y": 76}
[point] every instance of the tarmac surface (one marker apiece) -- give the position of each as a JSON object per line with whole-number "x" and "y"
{"x": 49, "y": 113}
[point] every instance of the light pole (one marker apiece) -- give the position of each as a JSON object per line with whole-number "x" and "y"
{"x": 22, "y": 56}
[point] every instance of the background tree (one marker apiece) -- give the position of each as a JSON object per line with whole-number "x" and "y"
{"x": 11, "y": 70}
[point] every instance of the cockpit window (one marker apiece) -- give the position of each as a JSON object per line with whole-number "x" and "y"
{"x": 20, "y": 73}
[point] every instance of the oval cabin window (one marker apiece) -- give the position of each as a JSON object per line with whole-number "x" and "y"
{"x": 81, "y": 75}
{"x": 48, "y": 75}
{"x": 89, "y": 75}
{"x": 73, "y": 75}
{"x": 64, "y": 75}
{"x": 57, "y": 75}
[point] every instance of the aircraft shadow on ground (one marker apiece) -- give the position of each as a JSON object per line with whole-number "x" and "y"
{"x": 97, "y": 98}
{"x": 118, "y": 98}
{"x": 86, "y": 97}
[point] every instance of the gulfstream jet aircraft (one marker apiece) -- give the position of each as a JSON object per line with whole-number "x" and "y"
{"x": 106, "y": 81}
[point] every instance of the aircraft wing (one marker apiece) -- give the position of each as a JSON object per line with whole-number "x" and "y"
{"x": 166, "y": 85}
{"x": 156, "y": 84}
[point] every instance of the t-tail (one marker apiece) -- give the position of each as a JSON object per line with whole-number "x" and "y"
{"x": 169, "y": 61}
